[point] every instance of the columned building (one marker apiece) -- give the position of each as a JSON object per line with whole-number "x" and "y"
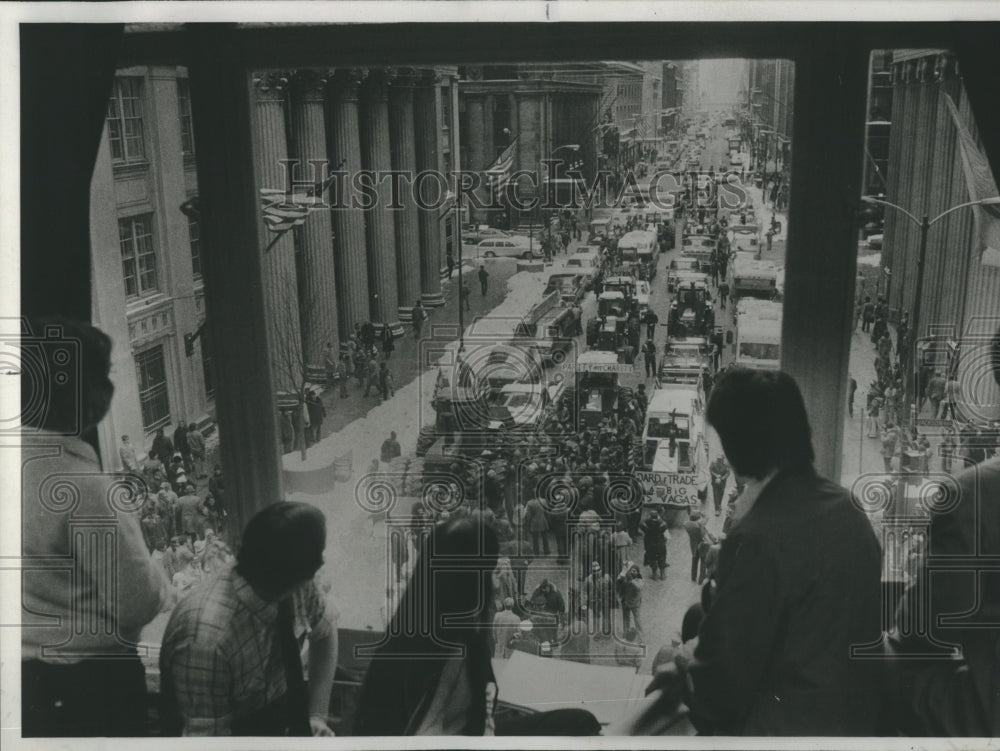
{"x": 550, "y": 119}
{"x": 338, "y": 268}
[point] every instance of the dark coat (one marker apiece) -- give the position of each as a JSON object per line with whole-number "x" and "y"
{"x": 798, "y": 585}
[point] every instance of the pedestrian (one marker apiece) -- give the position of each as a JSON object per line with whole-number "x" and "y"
{"x": 649, "y": 357}
{"x": 890, "y": 441}
{"x": 852, "y": 389}
{"x": 537, "y": 526}
{"x": 698, "y": 535}
{"x": 330, "y": 363}
{"x": 949, "y": 449}
{"x": 217, "y": 487}
{"x": 483, "y": 279}
{"x": 654, "y": 542}
{"x": 952, "y": 394}
{"x": 387, "y": 342}
{"x": 598, "y": 591}
{"x": 628, "y": 587}
{"x": 287, "y": 431}
{"x": 651, "y": 319}
{"x": 449, "y": 260}
{"x": 196, "y": 442}
{"x": 162, "y": 449}
{"x": 126, "y": 452}
{"x": 723, "y": 293}
{"x": 547, "y": 608}
{"x": 719, "y": 470}
{"x": 244, "y": 623}
{"x": 181, "y": 445}
{"x": 464, "y": 295}
{"x": 385, "y": 383}
{"x": 371, "y": 377}
{"x": 419, "y": 315}
{"x": 800, "y": 548}
{"x": 343, "y": 368}
{"x": 192, "y": 513}
{"x": 390, "y": 448}
{"x": 505, "y": 625}
{"x": 623, "y": 543}
{"x": 867, "y": 315}
{"x": 317, "y": 411}
{"x": 935, "y": 392}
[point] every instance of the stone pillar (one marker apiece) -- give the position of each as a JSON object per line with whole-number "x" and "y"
{"x": 280, "y": 281}
{"x": 344, "y": 147}
{"x": 404, "y": 159}
{"x": 380, "y": 230}
{"x": 427, "y": 136}
{"x": 480, "y": 148}
{"x": 318, "y": 290}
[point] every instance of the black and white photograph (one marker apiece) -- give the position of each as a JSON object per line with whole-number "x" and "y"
{"x": 576, "y": 374}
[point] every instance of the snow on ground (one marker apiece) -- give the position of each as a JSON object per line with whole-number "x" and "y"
{"x": 874, "y": 259}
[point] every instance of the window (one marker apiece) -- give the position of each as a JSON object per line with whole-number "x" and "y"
{"x": 151, "y": 375}
{"x": 135, "y": 235}
{"x": 184, "y": 113}
{"x": 125, "y": 122}
{"x": 194, "y": 238}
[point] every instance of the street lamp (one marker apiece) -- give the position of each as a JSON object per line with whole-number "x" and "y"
{"x": 925, "y": 224}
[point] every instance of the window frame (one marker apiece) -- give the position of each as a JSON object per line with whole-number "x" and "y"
{"x": 157, "y": 391}
{"x": 122, "y": 121}
{"x": 184, "y": 118}
{"x": 136, "y": 258}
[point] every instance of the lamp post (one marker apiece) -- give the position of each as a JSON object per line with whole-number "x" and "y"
{"x": 925, "y": 223}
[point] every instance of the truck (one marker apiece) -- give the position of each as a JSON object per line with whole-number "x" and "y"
{"x": 758, "y": 334}
{"x": 754, "y": 277}
{"x": 685, "y": 359}
{"x": 700, "y": 247}
{"x": 520, "y": 406}
{"x": 597, "y": 389}
{"x": 691, "y": 312}
{"x": 674, "y": 458}
{"x": 639, "y": 247}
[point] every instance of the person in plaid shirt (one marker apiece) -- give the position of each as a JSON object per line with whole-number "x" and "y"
{"x": 229, "y": 665}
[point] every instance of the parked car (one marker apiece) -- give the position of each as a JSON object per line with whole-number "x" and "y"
{"x": 511, "y": 246}
{"x": 475, "y": 235}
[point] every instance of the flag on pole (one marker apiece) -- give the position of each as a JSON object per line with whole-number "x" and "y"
{"x": 498, "y": 174}
{"x": 979, "y": 179}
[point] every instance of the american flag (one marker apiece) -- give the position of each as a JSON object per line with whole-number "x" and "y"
{"x": 498, "y": 174}
{"x": 282, "y": 210}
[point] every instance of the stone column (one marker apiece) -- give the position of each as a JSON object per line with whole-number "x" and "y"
{"x": 318, "y": 290}
{"x": 344, "y": 147}
{"x": 380, "y": 229}
{"x": 280, "y": 281}
{"x": 403, "y": 154}
{"x": 427, "y": 136}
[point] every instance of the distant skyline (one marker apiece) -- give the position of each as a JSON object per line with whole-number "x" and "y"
{"x": 719, "y": 81}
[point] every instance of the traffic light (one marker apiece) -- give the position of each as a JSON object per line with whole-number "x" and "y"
{"x": 189, "y": 345}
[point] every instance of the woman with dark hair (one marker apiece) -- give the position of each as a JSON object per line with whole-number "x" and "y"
{"x": 797, "y": 583}
{"x": 433, "y": 673}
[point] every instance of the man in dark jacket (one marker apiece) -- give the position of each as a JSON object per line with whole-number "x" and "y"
{"x": 797, "y": 584}
{"x": 654, "y": 543}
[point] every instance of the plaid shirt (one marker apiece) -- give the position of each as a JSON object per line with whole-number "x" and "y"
{"x": 222, "y": 653}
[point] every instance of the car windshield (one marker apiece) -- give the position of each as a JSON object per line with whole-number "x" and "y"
{"x": 760, "y": 351}
{"x": 665, "y": 427}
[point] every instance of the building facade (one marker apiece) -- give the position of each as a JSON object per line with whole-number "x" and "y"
{"x": 770, "y": 89}
{"x": 960, "y": 294}
{"x": 339, "y": 268}
{"x": 547, "y": 117}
